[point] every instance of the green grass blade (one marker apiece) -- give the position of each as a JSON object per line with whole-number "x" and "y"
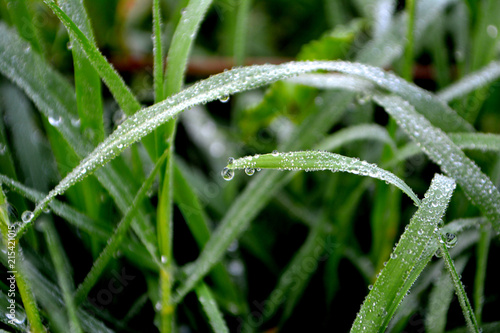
{"x": 118, "y": 236}
{"x": 61, "y": 266}
{"x": 182, "y": 42}
{"x": 471, "y": 82}
{"x": 157, "y": 52}
{"x": 316, "y": 161}
{"x": 481, "y": 269}
{"x": 354, "y": 133}
{"x": 113, "y": 80}
{"x": 18, "y": 268}
{"x": 407, "y": 260}
{"x": 439, "y": 301}
{"x": 481, "y": 141}
{"x": 21, "y": 17}
{"x": 448, "y": 156}
{"x": 470, "y": 318}
{"x": 209, "y": 305}
{"x": 240, "y": 31}
{"x": 410, "y": 38}
{"x": 87, "y": 80}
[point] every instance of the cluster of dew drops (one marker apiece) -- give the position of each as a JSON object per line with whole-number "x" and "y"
{"x": 228, "y": 173}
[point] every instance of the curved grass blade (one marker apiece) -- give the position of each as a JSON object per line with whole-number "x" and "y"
{"x": 436, "y": 144}
{"x": 211, "y": 310}
{"x": 470, "y": 318}
{"x": 471, "y": 82}
{"x": 407, "y": 261}
{"x": 113, "y": 80}
{"x": 316, "y": 161}
{"x": 241, "y": 79}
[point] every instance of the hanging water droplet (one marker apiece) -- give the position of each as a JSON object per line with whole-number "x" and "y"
{"x": 27, "y": 216}
{"x": 230, "y": 160}
{"x": 370, "y": 287}
{"x": 451, "y": 240}
{"x": 55, "y": 121}
{"x": 224, "y": 99}
{"x": 250, "y": 171}
{"x": 227, "y": 174}
{"x": 438, "y": 253}
{"x": 69, "y": 45}
{"x": 275, "y": 153}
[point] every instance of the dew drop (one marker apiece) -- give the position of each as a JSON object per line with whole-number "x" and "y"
{"x": 394, "y": 255}
{"x": 370, "y": 287}
{"x": 250, "y": 171}
{"x": 164, "y": 259}
{"x": 275, "y": 153}
{"x": 439, "y": 253}
{"x": 55, "y": 121}
{"x": 227, "y": 174}
{"x": 27, "y": 216}
{"x": 230, "y": 160}
{"x": 224, "y": 99}
{"x": 451, "y": 240}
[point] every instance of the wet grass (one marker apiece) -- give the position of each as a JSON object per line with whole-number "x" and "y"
{"x": 361, "y": 190}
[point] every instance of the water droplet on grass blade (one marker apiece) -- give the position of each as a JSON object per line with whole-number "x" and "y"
{"x": 227, "y": 174}
{"x": 224, "y": 99}
{"x": 27, "y": 216}
{"x": 451, "y": 240}
{"x": 275, "y": 153}
{"x": 250, "y": 171}
{"x": 55, "y": 121}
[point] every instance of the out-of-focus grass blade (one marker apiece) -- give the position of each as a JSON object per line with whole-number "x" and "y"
{"x": 240, "y": 31}
{"x": 357, "y": 132}
{"x": 158, "y": 52}
{"x": 113, "y": 80}
{"x": 63, "y": 272}
{"x": 438, "y": 146}
{"x": 209, "y": 305}
{"x": 21, "y": 17}
{"x": 485, "y": 328}
{"x": 470, "y": 318}
{"x": 407, "y": 261}
{"x": 439, "y": 301}
{"x": 20, "y": 321}
{"x": 471, "y": 82}
{"x": 316, "y": 161}
{"x": 87, "y": 81}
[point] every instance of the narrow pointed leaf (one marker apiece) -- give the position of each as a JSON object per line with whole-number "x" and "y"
{"x": 407, "y": 260}
{"x": 209, "y": 305}
{"x": 317, "y": 161}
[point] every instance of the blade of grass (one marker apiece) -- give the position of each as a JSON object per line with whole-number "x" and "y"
{"x": 182, "y": 42}
{"x": 470, "y": 318}
{"x": 17, "y": 269}
{"x": 113, "y": 80}
{"x": 481, "y": 141}
{"x": 408, "y": 55}
{"x": 316, "y": 161}
{"x": 240, "y": 31}
{"x": 87, "y": 81}
{"x": 61, "y": 266}
{"x": 209, "y": 305}
{"x": 407, "y": 261}
{"x": 158, "y": 53}
{"x": 21, "y": 17}
{"x": 354, "y": 133}
{"x": 439, "y": 301}
{"x": 117, "y": 238}
{"x": 484, "y": 76}
{"x": 481, "y": 266}
{"x": 448, "y": 156}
